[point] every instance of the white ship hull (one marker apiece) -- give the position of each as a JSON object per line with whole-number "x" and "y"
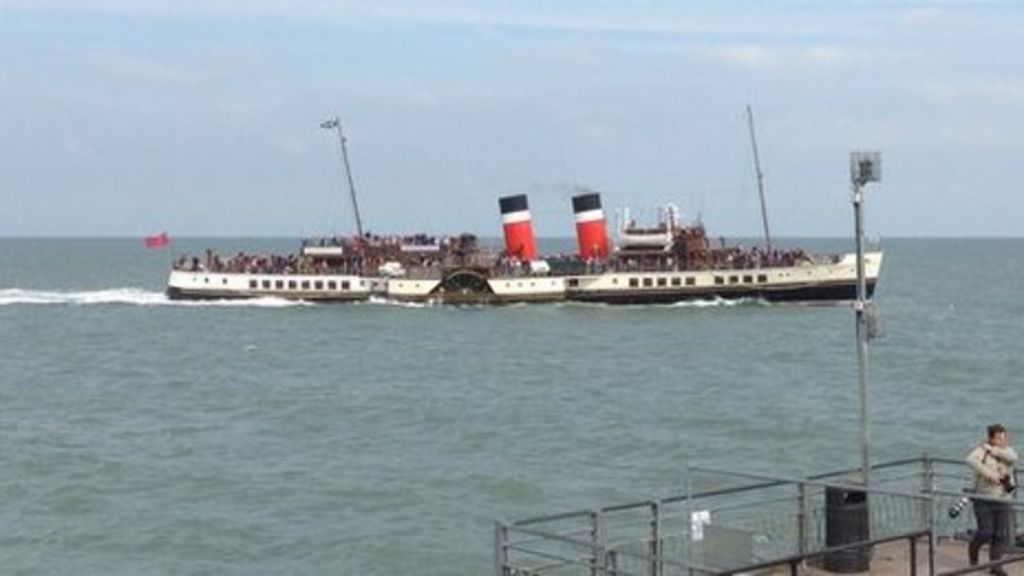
{"x": 199, "y": 285}
{"x": 809, "y": 282}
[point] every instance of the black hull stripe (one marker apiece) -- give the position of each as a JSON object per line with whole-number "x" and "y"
{"x": 805, "y": 293}
{"x": 809, "y": 293}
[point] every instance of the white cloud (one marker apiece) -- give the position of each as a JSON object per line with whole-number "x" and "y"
{"x": 136, "y": 68}
{"x": 582, "y": 16}
{"x": 768, "y": 58}
{"x": 981, "y": 93}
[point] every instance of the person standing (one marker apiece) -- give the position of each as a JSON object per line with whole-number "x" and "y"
{"x": 992, "y": 462}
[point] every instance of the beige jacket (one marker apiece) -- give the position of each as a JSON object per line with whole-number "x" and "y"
{"x": 990, "y": 465}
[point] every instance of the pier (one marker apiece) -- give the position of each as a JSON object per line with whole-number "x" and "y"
{"x": 728, "y": 522}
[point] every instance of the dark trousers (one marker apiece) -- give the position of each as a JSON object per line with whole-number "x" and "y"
{"x": 993, "y": 529}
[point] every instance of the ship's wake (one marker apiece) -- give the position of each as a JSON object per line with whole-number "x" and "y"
{"x": 716, "y": 302}
{"x": 125, "y": 296}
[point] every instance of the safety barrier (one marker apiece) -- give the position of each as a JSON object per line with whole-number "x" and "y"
{"x": 728, "y": 522}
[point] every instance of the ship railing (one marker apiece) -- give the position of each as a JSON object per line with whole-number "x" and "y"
{"x": 727, "y": 522}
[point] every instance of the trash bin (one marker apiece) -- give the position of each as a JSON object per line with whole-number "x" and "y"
{"x": 846, "y": 522}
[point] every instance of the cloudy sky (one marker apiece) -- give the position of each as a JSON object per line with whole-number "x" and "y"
{"x": 126, "y": 117}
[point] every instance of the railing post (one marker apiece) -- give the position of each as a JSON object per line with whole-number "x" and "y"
{"x": 931, "y": 554}
{"x": 801, "y": 519}
{"x": 501, "y": 567}
{"x": 656, "y": 562}
{"x": 597, "y": 549}
{"x": 913, "y": 556}
{"x": 928, "y": 487}
{"x": 688, "y": 522}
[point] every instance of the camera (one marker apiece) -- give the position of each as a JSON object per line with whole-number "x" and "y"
{"x": 1007, "y": 483}
{"x": 958, "y": 507}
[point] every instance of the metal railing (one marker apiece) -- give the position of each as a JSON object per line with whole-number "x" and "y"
{"x": 727, "y": 522}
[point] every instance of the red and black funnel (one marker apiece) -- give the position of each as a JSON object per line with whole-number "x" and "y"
{"x": 590, "y": 226}
{"x": 515, "y": 218}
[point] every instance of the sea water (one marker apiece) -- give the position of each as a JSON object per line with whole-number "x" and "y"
{"x": 143, "y": 436}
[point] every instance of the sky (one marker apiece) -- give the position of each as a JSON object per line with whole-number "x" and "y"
{"x": 201, "y": 117}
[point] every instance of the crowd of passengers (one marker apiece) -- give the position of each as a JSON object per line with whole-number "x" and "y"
{"x": 246, "y": 263}
{"x": 372, "y": 240}
{"x": 754, "y": 257}
{"x": 736, "y": 257}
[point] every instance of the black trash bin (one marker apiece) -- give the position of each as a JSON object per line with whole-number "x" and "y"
{"x": 846, "y": 522}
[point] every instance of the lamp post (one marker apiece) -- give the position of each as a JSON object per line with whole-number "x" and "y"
{"x": 334, "y": 123}
{"x": 864, "y": 167}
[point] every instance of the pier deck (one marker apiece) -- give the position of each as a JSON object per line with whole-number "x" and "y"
{"x": 891, "y": 559}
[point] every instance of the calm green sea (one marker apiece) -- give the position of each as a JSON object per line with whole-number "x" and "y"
{"x": 141, "y": 436}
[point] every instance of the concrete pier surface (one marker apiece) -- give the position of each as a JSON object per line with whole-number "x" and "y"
{"x": 892, "y": 559}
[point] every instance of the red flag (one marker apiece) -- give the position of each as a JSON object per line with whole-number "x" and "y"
{"x": 157, "y": 240}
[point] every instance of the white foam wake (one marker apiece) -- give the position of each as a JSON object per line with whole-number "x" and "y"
{"x": 125, "y": 296}
{"x": 382, "y": 301}
{"x": 718, "y": 301}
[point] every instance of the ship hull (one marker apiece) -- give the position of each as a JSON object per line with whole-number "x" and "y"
{"x": 807, "y": 282}
{"x": 199, "y": 285}
{"x": 816, "y": 293}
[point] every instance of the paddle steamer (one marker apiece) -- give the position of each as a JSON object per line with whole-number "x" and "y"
{"x": 664, "y": 263}
{"x": 661, "y": 264}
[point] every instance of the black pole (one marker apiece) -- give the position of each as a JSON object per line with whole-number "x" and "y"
{"x": 760, "y": 178}
{"x": 336, "y": 124}
{"x": 862, "y": 332}
{"x": 348, "y": 174}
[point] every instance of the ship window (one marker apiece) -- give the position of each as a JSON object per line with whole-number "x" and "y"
{"x": 690, "y": 281}
{"x": 266, "y": 284}
{"x": 223, "y": 280}
{"x": 279, "y": 284}
{"x": 762, "y": 278}
{"x": 633, "y": 282}
{"x": 345, "y": 285}
{"x": 747, "y": 278}
{"x": 253, "y": 284}
{"x": 362, "y": 283}
{"x": 206, "y": 279}
{"x": 292, "y": 285}
{"x": 574, "y": 282}
{"x": 318, "y": 285}
{"x": 719, "y": 280}
{"x": 734, "y": 279}
{"x": 615, "y": 281}
{"x": 676, "y": 281}
{"x": 648, "y": 282}
{"x": 305, "y": 284}
{"x": 532, "y": 284}
{"x": 662, "y": 282}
